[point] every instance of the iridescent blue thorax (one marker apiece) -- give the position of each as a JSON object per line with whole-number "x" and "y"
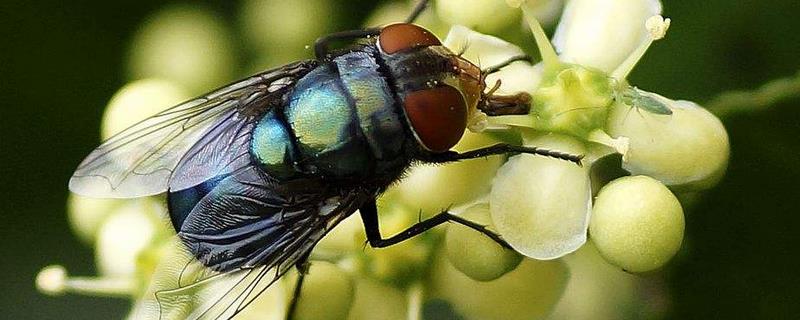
{"x": 340, "y": 121}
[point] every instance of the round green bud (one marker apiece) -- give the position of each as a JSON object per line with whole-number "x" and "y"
{"x": 637, "y": 223}
{"x": 483, "y": 15}
{"x": 316, "y": 300}
{"x": 187, "y": 44}
{"x": 531, "y": 291}
{"x": 687, "y": 149}
{"x": 137, "y": 101}
{"x": 541, "y": 205}
{"x": 433, "y": 188}
{"x": 574, "y": 101}
{"x": 473, "y": 253}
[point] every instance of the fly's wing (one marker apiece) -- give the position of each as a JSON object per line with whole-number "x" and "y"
{"x": 237, "y": 241}
{"x": 186, "y": 144}
{"x": 182, "y": 288}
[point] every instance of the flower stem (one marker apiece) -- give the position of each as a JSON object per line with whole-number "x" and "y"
{"x": 415, "y": 293}
{"x": 733, "y": 102}
{"x": 657, "y": 28}
{"x": 549, "y": 56}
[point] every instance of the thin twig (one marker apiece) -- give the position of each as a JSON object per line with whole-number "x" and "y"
{"x": 733, "y": 102}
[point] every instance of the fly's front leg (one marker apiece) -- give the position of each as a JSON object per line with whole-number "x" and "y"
{"x": 369, "y": 215}
{"x": 418, "y": 9}
{"x": 500, "y": 148}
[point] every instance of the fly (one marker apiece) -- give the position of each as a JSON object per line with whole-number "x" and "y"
{"x": 257, "y": 172}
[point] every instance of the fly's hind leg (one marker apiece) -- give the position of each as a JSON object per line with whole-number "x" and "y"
{"x": 369, "y": 215}
{"x": 302, "y": 268}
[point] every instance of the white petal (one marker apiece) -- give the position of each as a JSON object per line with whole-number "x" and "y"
{"x": 481, "y": 49}
{"x": 602, "y": 33}
{"x": 485, "y": 51}
{"x": 541, "y": 206}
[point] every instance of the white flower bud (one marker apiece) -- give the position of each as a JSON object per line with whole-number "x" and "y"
{"x": 86, "y": 215}
{"x": 473, "y": 253}
{"x": 137, "y": 101}
{"x": 484, "y": 15}
{"x": 433, "y": 188}
{"x": 185, "y": 44}
{"x": 52, "y": 280}
{"x": 603, "y": 33}
{"x": 125, "y": 234}
{"x": 280, "y": 30}
{"x": 487, "y": 51}
{"x": 598, "y": 290}
{"x": 531, "y": 291}
{"x": 688, "y": 148}
{"x": 637, "y": 223}
{"x": 541, "y": 205}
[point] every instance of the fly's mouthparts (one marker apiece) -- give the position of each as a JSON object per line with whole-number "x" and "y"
{"x": 504, "y": 105}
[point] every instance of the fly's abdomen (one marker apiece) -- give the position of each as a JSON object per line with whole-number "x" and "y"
{"x": 273, "y": 146}
{"x": 322, "y": 117}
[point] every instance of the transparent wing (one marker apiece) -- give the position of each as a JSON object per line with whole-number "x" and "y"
{"x": 217, "y": 272}
{"x": 187, "y": 144}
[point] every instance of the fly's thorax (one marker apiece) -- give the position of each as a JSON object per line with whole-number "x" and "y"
{"x": 339, "y": 122}
{"x": 437, "y": 89}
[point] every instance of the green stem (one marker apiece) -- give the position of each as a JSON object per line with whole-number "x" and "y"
{"x": 733, "y": 102}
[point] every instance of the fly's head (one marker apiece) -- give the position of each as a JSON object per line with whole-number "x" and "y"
{"x": 437, "y": 88}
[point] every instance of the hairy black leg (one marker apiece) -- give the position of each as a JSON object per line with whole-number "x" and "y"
{"x": 497, "y": 67}
{"x": 321, "y": 45}
{"x": 500, "y": 148}
{"x": 369, "y": 215}
{"x": 302, "y": 269}
{"x": 418, "y": 9}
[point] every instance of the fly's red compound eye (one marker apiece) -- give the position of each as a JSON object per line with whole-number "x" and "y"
{"x": 403, "y": 36}
{"x": 437, "y": 115}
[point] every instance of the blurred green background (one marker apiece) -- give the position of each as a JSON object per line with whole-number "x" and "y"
{"x": 60, "y": 62}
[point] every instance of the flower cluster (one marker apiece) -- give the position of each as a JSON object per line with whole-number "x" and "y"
{"x": 640, "y": 149}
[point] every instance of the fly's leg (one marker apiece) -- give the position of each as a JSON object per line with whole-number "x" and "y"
{"x": 418, "y": 9}
{"x": 499, "y": 66}
{"x": 369, "y": 215}
{"x": 322, "y": 44}
{"x": 302, "y": 269}
{"x": 500, "y": 148}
